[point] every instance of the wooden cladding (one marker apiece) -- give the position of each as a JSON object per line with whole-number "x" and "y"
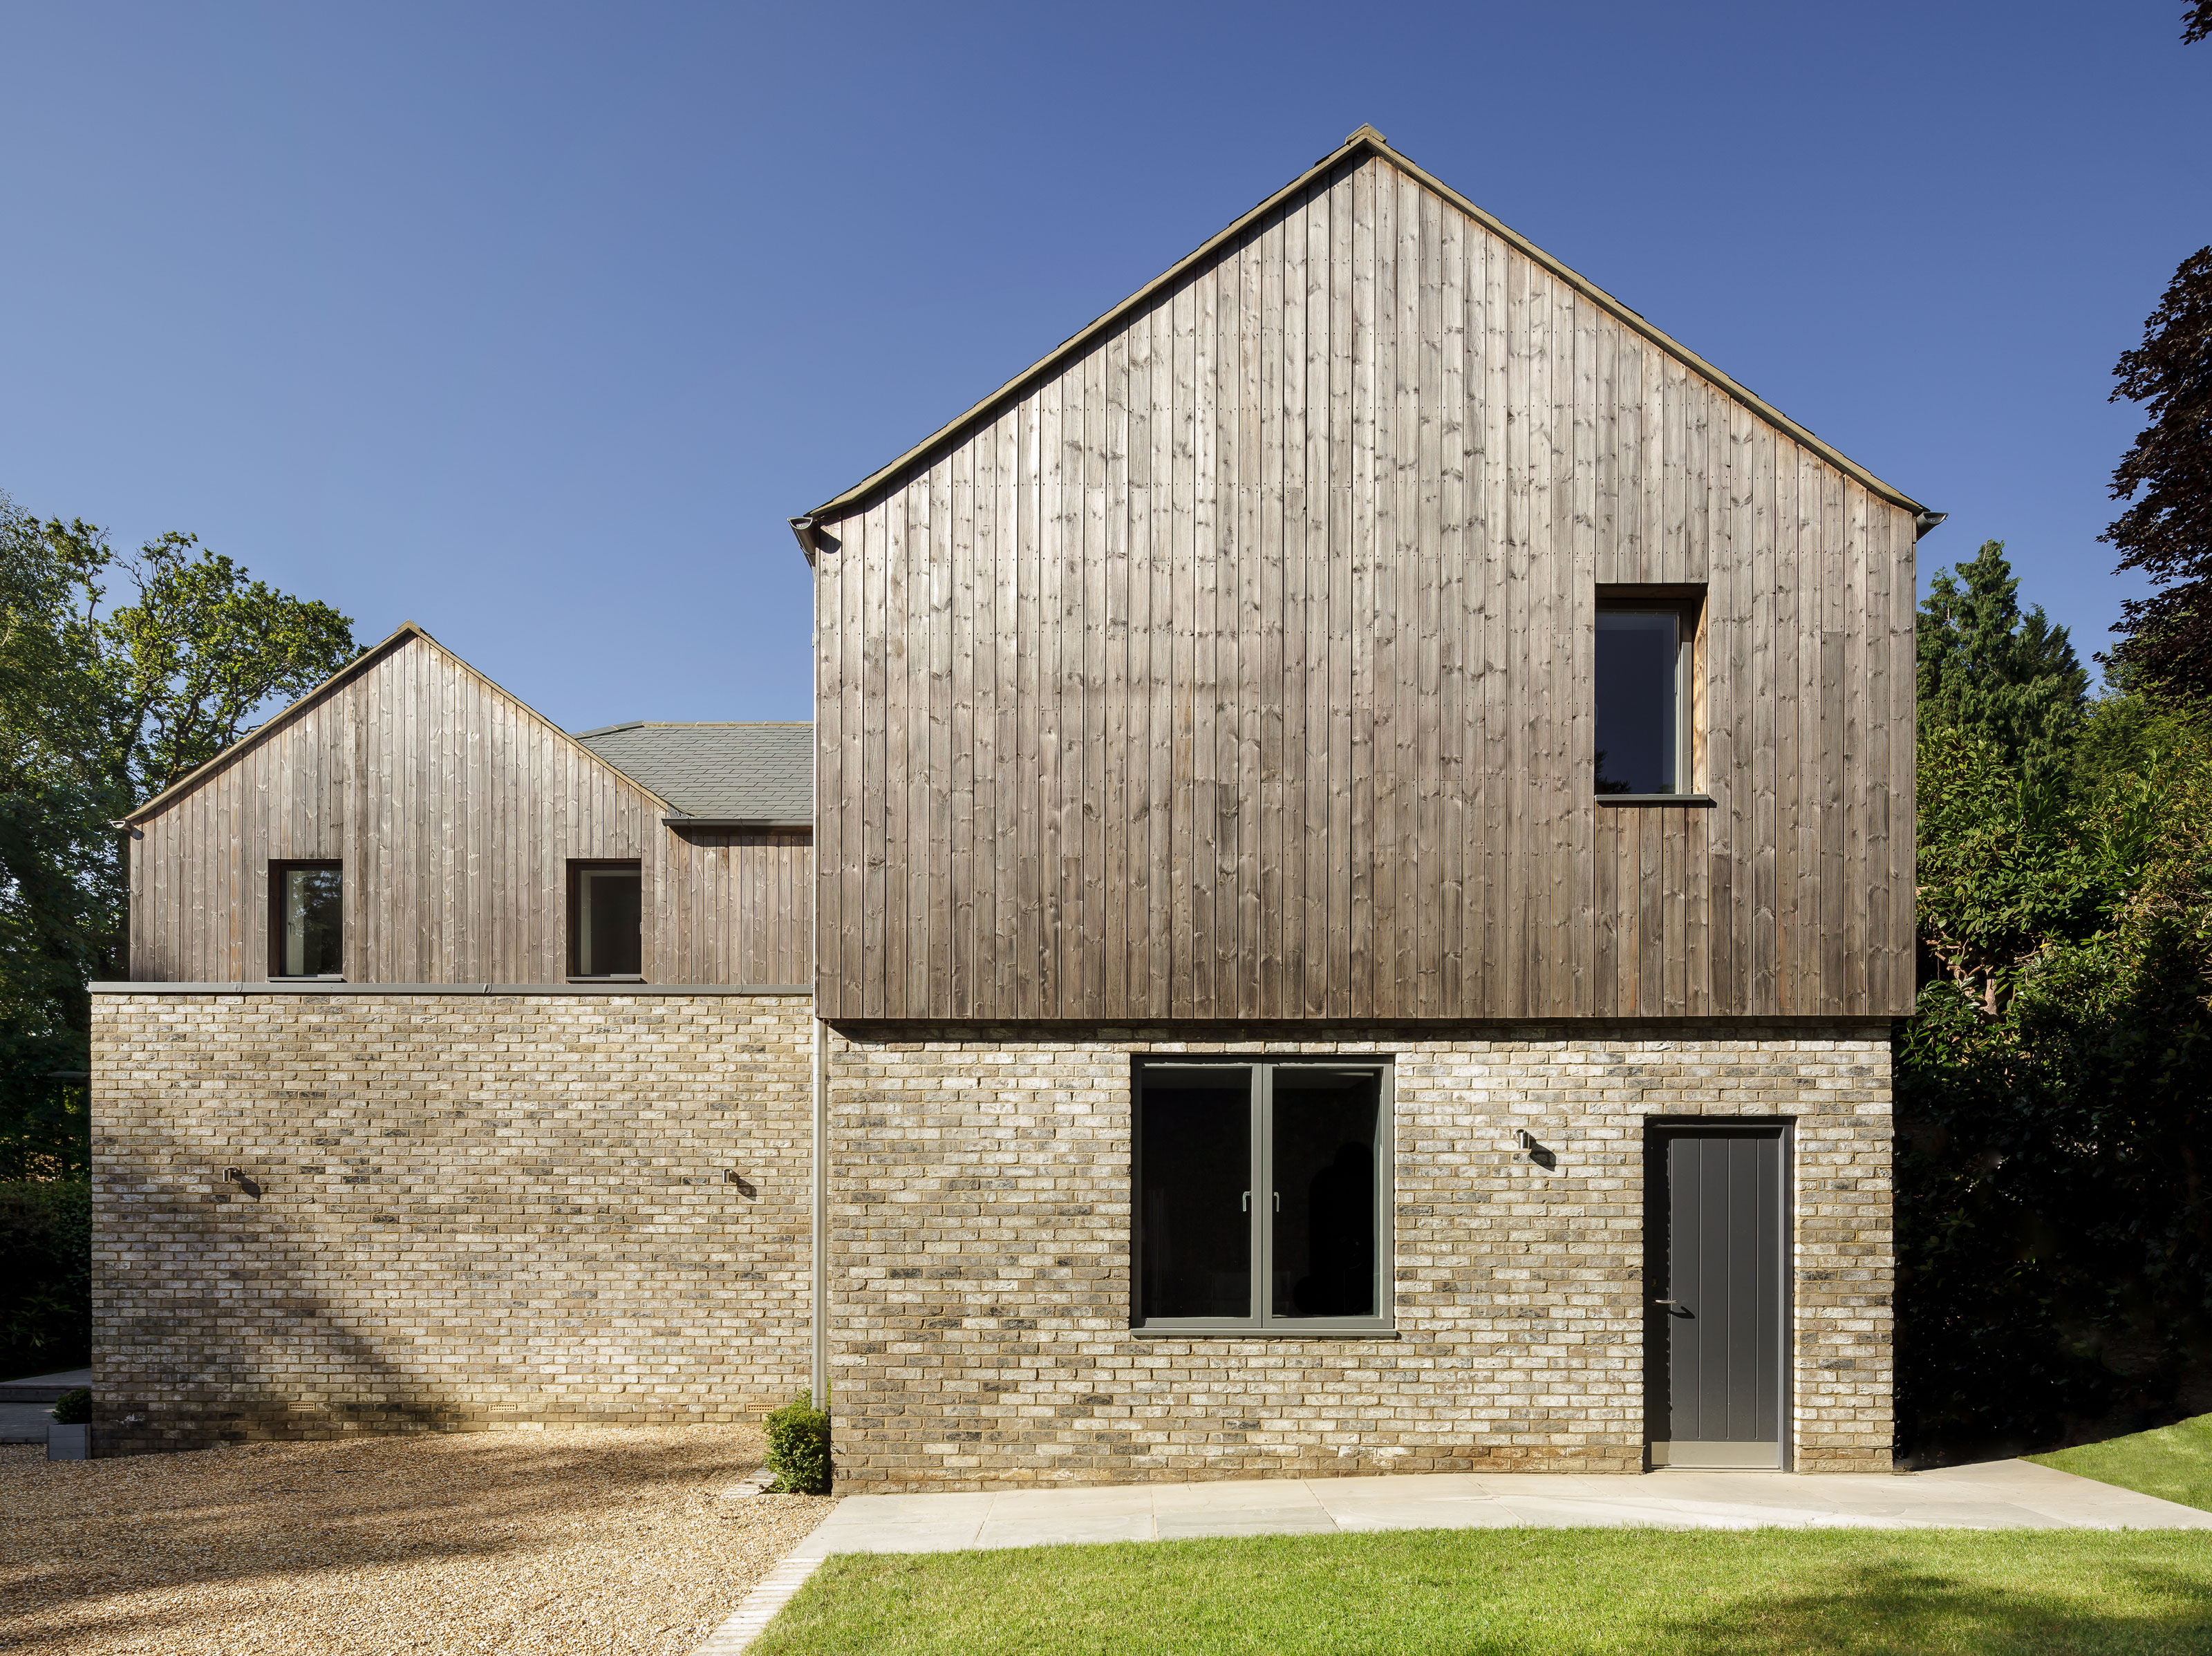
{"x": 455, "y": 811}
{"x": 1241, "y": 667}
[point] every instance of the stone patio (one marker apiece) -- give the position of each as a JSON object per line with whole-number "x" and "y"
{"x": 1998, "y": 1495}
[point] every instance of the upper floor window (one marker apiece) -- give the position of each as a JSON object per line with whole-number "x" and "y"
{"x": 1263, "y": 1196}
{"x": 1643, "y": 736}
{"x": 606, "y": 914}
{"x": 307, "y": 922}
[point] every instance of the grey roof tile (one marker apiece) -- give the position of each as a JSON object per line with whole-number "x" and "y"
{"x": 747, "y": 773}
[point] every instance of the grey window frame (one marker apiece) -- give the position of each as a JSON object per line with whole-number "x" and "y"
{"x": 1687, "y": 610}
{"x": 281, "y": 869}
{"x": 1262, "y": 1216}
{"x": 579, "y": 871}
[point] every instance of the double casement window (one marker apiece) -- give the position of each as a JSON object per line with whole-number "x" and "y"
{"x": 306, "y": 921}
{"x": 606, "y": 914}
{"x": 1646, "y": 734}
{"x": 1263, "y": 1196}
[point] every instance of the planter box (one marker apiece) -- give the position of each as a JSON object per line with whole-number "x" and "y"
{"x": 69, "y": 1442}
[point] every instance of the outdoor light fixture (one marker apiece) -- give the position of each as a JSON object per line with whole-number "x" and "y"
{"x": 233, "y": 1176}
{"x": 1525, "y": 1140}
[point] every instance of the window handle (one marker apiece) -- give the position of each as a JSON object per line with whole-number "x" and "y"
{"x": 1279, "y": 1201}
{"x": 1246, "y": 1205}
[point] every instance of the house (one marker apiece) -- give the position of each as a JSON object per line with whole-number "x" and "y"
{"x": 1360, "y": 873}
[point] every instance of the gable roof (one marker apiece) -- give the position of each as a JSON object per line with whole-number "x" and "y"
{"x": 1365, "y": 142}
{"x": 408, "y": 633}
{"x": 754, "y": 773}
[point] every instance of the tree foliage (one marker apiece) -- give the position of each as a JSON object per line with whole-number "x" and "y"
{"x": 2167, "y": 476}
{"x": 2055, "y": 1082}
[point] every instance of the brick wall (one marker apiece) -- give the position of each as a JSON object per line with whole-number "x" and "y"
{"x": 473, "y": 1211}
{"x": 980, "y": 1266}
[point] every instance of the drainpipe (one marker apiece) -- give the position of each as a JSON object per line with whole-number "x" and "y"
{"x": 818, "y": 1251}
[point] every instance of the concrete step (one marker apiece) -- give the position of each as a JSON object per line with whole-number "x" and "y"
{"x": 44, "y": 1388}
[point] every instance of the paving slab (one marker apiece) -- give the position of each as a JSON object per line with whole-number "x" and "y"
{"x": 44, "y": 1388}
{"x": 24, "y": 1422}
{"x": 2006, "y": 1494}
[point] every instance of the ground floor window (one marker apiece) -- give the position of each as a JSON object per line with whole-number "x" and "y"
{"x": 1263, "y": 1195}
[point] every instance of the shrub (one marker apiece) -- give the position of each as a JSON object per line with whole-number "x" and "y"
{"x": 798, "y": 1448}
{"x": 73, "y": 1407}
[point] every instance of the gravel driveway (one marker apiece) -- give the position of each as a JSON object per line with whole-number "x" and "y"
{"x": 600, "y": 1540}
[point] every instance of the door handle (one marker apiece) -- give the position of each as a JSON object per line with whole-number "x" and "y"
{"x": 1665, "y": 1302}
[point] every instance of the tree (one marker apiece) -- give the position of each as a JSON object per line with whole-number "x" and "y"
{"x": 2167, "y": 533}
{"x": 2197, "y": 22}
{"x": 184, "y": 668}
{"x": 1986, "y": 668}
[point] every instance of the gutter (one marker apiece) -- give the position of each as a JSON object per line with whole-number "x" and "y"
{"x": 809, "y": 538}
{"x": 676, "y": 819}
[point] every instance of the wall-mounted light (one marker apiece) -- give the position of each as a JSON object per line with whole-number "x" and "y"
{"x": 1525, "y": 1140}
{"x": 731, "y": 1176}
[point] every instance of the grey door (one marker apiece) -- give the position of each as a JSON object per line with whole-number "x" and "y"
{"x": 1717, "y": 1230}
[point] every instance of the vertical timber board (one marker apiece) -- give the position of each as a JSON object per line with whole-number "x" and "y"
{"x": 1358, "y": 637}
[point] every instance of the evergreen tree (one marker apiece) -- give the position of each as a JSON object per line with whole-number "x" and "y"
{"x": 2167, "y": 533}
{"x": 1989, "y": 670}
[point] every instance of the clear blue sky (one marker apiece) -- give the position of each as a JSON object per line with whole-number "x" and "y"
{"x": 534, "y": 323}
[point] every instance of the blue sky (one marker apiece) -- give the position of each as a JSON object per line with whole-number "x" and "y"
{"x": 534, "y": 323}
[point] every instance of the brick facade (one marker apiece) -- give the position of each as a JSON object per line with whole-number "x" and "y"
{"x": 472, "y": 1211}
{"x": 979, "y": 1259}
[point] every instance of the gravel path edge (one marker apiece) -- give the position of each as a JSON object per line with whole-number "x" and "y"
{"x": 750, "y": 1618}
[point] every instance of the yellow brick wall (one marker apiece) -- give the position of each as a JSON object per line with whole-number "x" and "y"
{"x": 472, "y": 1211}
{"x": 980, "y": 1219}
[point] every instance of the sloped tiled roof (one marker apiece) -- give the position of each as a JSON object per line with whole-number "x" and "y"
{"x": 717, "y": 772}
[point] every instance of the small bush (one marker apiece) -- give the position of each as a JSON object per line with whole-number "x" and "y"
{"x": 798, "y": 1448}
{"x": 73, "y": 1407}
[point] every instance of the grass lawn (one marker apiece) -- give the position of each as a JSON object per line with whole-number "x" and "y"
{"x": 2173, "y": 1463}
{"x": 1409, "y": 1593}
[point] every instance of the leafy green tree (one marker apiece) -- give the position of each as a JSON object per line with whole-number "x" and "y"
{"x": 2197, "y": 22}
{"x": 2167, "y": 533}
{"x": 2054, "y": 1086}
{"x": 1984, "y": 666}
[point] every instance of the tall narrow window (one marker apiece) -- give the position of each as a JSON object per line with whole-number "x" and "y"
{"x": 1280, "y": 1167}
{"x": 606, "y": 910}
{"x": 1642, "y": 735}
{"x": 307, "y": 928}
